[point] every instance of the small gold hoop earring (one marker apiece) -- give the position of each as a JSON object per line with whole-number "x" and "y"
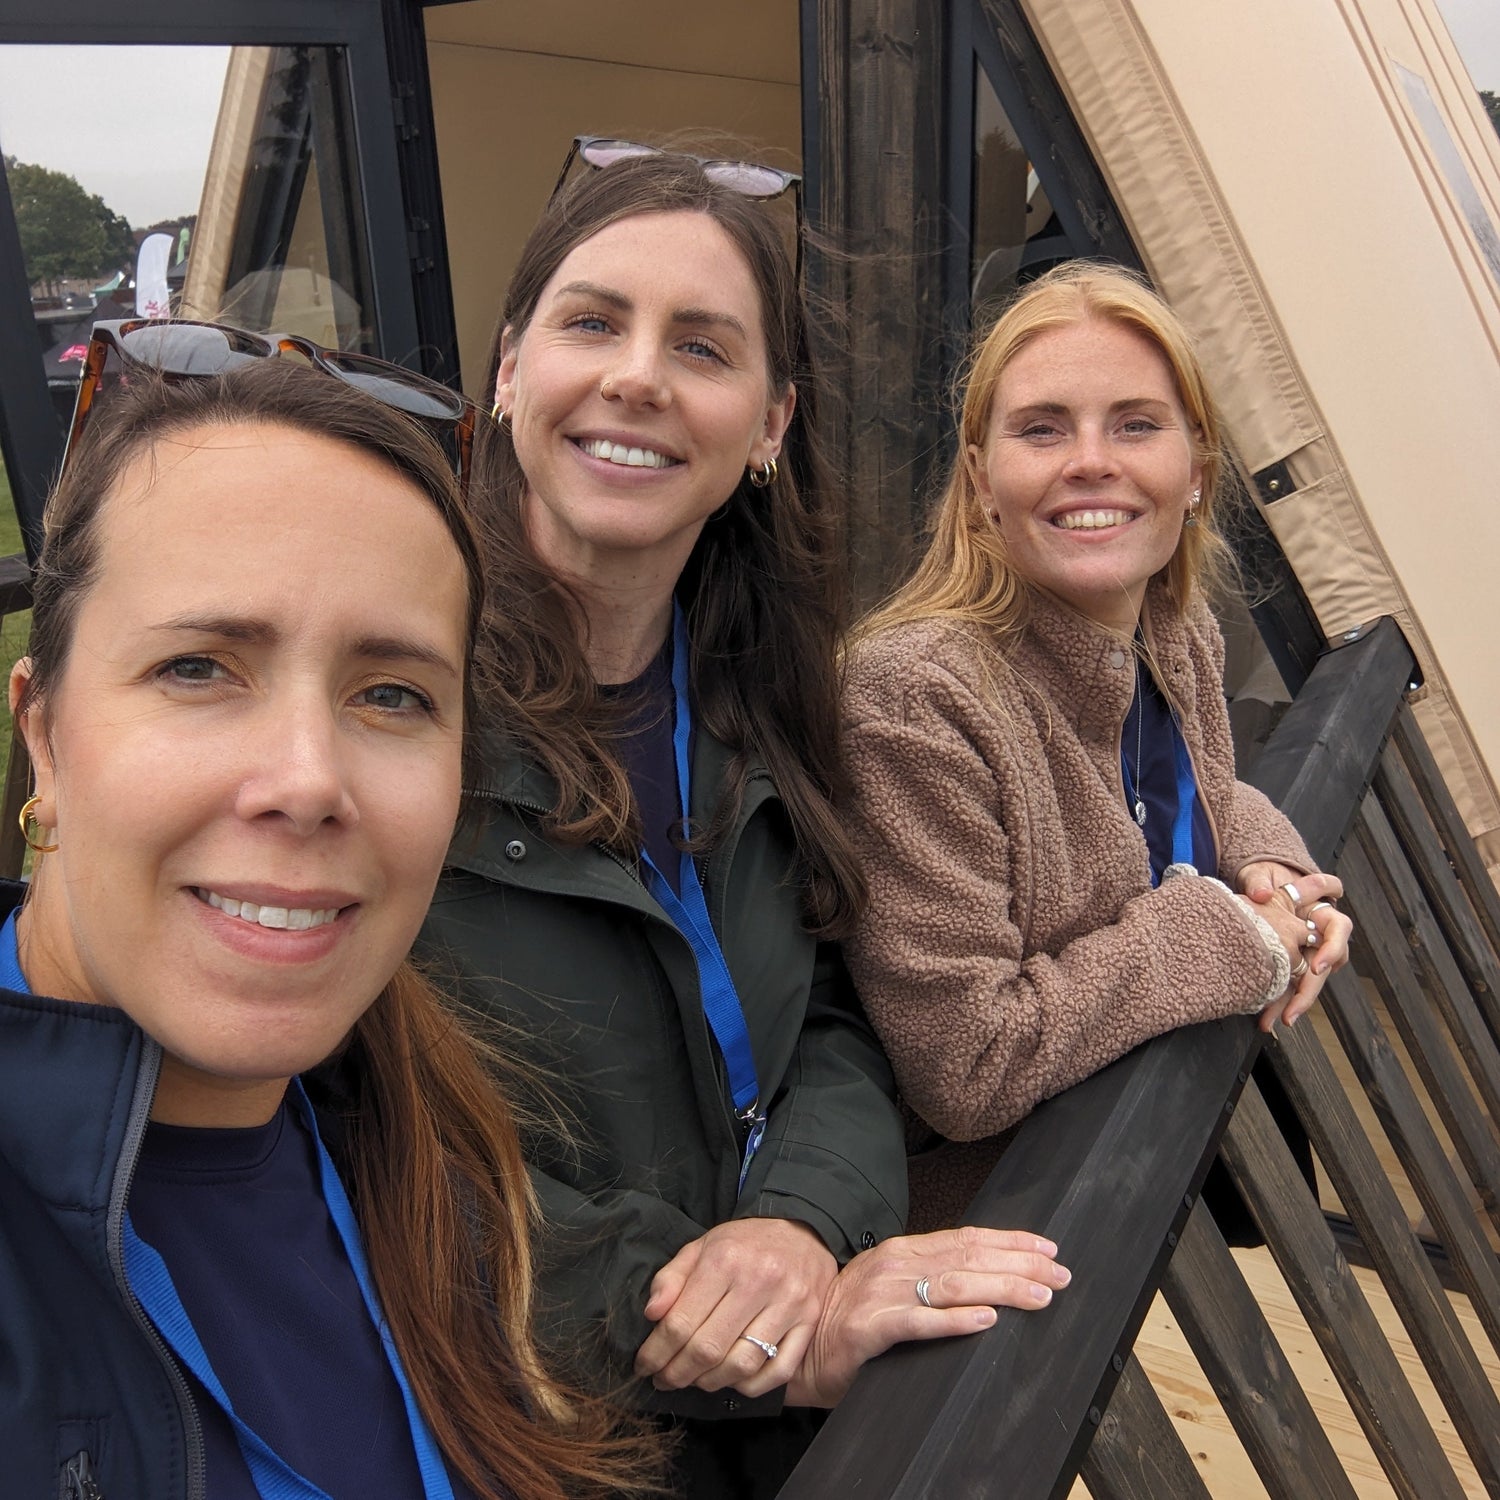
{"x": 764, "y": 475}
{"x": 498, "y": 417}
{"x": 31, "y": 844}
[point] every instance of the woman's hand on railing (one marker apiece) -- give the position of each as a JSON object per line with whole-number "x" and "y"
{"x": 923, "y": 1286}
{"x": 1315, "y": 933}
{"x": 736, "y": 1307}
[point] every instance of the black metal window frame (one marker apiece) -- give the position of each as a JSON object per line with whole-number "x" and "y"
{"x": 412, "y": 306}
{"x": 995, "y": 36}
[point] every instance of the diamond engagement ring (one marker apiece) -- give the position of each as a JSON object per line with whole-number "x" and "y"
{"x": 769, "y": 1350}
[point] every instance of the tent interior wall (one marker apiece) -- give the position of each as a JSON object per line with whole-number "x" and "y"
{"x": 512, "y": 85}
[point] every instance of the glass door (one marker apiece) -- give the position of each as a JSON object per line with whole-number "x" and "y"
{"x": 224, "y": 159}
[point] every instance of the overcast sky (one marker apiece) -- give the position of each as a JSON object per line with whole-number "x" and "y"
{"x": 1475, "y": 25}
{"x": 139, "y": 136}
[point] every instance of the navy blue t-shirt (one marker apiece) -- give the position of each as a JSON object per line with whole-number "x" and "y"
{"x": 1149, "y": 724}
{"x": 240, "y": 1220}
{"x": 646, "y": 707}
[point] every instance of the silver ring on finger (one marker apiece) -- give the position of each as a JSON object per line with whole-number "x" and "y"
{"x": 769, "y": 1350}
{"x": 1321, "y": 906}
{"x": 923, "y": 1288}
{"x": 1292, "y": 894}
{"x": 1314, "y": 937}
{"x": 1301, "y": 969}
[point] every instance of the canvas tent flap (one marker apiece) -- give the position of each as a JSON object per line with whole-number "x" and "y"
{"x": 1287, "y": 198}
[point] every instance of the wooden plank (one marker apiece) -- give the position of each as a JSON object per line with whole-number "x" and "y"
{"x": 1324, "y": 752}
{"x": 939, "y": 1420}
{"x": 1246, "y": 1368}
{"x": 1136, "y": 1453}
{"x": 1387, "y": 959}
{"x": 1430, "y": 859}
{"x": 1436, "y": 969}
{"x": 1395, "y": 1252}
{"x": 882, "y": 203}
{"x": 1472, "y": 874}
{"x": 1205, "y": 1431}
{"x": 1396, "y": 1105}
{"x": 1334, "y": 1306}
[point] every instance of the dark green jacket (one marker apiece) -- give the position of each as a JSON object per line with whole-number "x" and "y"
{"x": 567, "y": 947}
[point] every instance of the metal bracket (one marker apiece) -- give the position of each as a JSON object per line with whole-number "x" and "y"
{"x": 1274, "y": 482}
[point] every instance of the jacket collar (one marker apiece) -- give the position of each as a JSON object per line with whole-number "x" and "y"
{"x": 519, "y": 784}
{"x": 1090, "y": 670}
{"x": 69, "y": 1076}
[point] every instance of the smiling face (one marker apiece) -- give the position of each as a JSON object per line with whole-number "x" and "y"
{"x": 638, "y": 395}
{"x": 1088, "y": 467}
{"x": 251, "y": 759}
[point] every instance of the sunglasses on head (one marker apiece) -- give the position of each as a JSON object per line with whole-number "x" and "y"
{"x": 189, "y": 351}
{"x": 751, "y": 179}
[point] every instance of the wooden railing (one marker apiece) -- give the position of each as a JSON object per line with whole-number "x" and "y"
{"x": 1111, "y": 1170}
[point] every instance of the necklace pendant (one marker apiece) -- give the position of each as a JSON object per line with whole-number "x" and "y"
{"x": 1140, "y": 812}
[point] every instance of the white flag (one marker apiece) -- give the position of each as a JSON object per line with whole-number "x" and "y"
{"x": 151, "y": 276}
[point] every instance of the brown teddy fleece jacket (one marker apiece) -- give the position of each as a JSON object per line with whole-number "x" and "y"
{"x": 1014, "y": 943}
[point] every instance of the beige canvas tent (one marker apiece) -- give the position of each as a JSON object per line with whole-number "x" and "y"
{"x": 1317, "y": 188}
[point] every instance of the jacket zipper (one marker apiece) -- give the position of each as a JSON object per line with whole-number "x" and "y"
{"x": 130, "y": 1151}
{"x": 78, "y": 1478}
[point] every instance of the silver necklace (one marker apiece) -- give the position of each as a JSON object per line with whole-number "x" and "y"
{"x": 1137, "y": 806}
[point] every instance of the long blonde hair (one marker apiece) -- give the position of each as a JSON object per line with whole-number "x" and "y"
{"x": 965, "y": 574}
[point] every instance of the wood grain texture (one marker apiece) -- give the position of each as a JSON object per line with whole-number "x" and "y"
{"x": 1250, "y": 1375}
{"x": 1136, "y": 1453}
{"x": 1335, "y": 1308}
{"x": 1411, "y": 1284}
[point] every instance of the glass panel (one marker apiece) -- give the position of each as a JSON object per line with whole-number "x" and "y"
{"x": 1015, "y": 235}
{"x": 227, "y": 189}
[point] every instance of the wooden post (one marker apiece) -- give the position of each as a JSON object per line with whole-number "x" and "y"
{"x": 879, "y": 185}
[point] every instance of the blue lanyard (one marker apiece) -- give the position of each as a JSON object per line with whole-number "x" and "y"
{"x": 273, "y": 1477}
{"x": 1187, "y": 793}
{"x": 689, "y": 913}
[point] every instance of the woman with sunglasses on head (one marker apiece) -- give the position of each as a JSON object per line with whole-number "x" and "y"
{"x": 650, "y": 898}
{"x": 263, "y": 1218}
{"x": 1061, "y": 861}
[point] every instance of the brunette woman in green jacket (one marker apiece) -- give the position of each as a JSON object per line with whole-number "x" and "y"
{"x": 650, "y": 902}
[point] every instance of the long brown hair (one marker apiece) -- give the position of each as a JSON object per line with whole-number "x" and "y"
{"x": 965, "y": 574}
{"x": 437, "y": 1179}
{"x": 764, "y": 590}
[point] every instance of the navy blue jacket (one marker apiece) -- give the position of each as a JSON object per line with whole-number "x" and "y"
{"x": 85, "y": 1383}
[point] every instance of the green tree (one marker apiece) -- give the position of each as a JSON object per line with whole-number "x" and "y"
{"x": 65, "y": 231}
{"x": 1492, "y": 106}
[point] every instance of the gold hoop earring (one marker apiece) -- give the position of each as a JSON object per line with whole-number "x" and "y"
{"x": 26, "y": 812}
{"x": 498, "y": 417}
{"x": 764, "y": 475}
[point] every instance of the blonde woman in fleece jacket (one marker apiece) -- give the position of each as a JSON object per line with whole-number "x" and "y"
{"x": 1061, "y": 862}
